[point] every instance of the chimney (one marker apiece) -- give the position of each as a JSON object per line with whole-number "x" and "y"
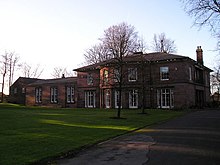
{"x": 199, "y": 55}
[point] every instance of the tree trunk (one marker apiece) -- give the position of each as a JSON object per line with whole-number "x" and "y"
{"x": 3, "y": 84}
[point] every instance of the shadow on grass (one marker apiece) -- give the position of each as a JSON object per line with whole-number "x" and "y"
{"x": 119, "y": 118}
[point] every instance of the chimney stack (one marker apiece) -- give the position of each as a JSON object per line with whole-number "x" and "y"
{"x": 199, "y": 55}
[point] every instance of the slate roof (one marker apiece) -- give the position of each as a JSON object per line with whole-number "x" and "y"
{"x": 25, "y": 80}
{"x": 148, "y": 57}
{"x": 54, "y": 81}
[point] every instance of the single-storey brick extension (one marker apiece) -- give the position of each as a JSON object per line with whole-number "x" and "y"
{"x": 152, "y": 80}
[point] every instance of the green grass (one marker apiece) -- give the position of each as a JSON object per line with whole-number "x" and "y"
{"x": 28, "y": 135}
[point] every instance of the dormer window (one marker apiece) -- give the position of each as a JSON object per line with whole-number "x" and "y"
{"x": 164, "y": 73}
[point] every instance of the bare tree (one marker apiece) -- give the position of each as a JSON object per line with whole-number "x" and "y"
{"x": 30, "y": 71}
{"x": 206, "y": 13}
{"x": 59, "y": 72}
{"x": 163, "y": 44}
{"x": 115, "y": 43}
{"x": 96, "y": 54}
{"x": 4, "y": 70}
{"x": 215, "y": 81}
{"x": 12, "y": 63}
{"x": 120, "y": 41}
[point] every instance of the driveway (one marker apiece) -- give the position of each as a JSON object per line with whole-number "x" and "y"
{"x": 193, "y": 139}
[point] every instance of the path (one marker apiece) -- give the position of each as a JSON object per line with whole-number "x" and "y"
{"x": 192, "y": 139}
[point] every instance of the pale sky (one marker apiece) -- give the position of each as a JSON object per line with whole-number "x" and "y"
{"x": 56, "y": 33}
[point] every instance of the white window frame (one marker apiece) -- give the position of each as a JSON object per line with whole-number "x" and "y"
{"x": 53, "y": 95}
{"x": 107, "y": 99}
{"x": 165, "y": 98}
{"x": 70, "y": 95}
{"x": 164, "y": 73}
{"x": 117, "y": 99}
{"x": 89, "y": 79}
{"x": 90, "y": 99}
{"x": 133, "y": 98}
{"x": 132, "y": 74}
{"x": 116, "y": 75}
{"x": 38, "y": 95}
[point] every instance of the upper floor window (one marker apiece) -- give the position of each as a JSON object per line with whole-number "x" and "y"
{"x": 190, "y": 73}
{"x": 70, "y": 94}
{"x": 116, "y": 75}
{"x": 89, "y": 79}
{"x": 199, "y": 76}
{"x": 132, "y": 74}
{"x": 38, "y": 95}
{"x": 53, "y": 95}
{"x": 164, "y": 73}
{"x": 105, "y": 76}
{"x": 15, "y": 90}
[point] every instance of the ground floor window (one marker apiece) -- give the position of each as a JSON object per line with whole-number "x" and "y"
{"x": 107, "y": 98}
{"x": 90, "y": 99}
{"x": 133, "y": 98}
{"x": 38, "y": 95}
{"x": 165, "y": 98}
{"x": 117, "y": 99}
{"x": 53, "y": 95}
{"x": 70, "y": 94}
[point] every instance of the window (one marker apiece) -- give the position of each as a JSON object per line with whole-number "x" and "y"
{"x": 117, "y": 99}
{"x": 164, "y": 73}
{"x": 190, "y": 73}
{"x": 53, "y": 95}
{"x": 15, "y": 90}
{"x": 90, "y": 99}
{"x": 89, "y": 79}
{"x": 165, "y": 98}
{"x": 116, "y": 75}
{"x": 38, "y": 95}
{"x": 199, "y": 76}
{"x": 133, "y": 99}
{"x": 23, "y": 90}
{"x": 107, "y": 99}
{"x": 132, "y": 74}
{"x": 70, "y": 94}
{"x": 105, "y": 76}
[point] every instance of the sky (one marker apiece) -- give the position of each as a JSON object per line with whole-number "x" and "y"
{"x": 56, "y": 33}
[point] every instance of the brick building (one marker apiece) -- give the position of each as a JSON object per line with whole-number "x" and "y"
{"x": 154, "y": 80}
{"x": 18, "y": 89}
{"x": 52, "y": 93}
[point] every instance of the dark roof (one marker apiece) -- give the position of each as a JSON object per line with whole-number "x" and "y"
{"x": 25, "y": 80}
{"x": 54, "y": 81}
{"x": 148, "y": 57}
{"x": 152, "y": 57}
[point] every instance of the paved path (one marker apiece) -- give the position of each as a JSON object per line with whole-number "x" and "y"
{"x": 189, "y": 140}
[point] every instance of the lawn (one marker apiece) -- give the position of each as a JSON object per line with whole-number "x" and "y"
{"x": 28, "y": 135}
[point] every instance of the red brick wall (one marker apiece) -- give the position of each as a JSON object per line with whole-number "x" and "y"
{"x": 30, "y": 95}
